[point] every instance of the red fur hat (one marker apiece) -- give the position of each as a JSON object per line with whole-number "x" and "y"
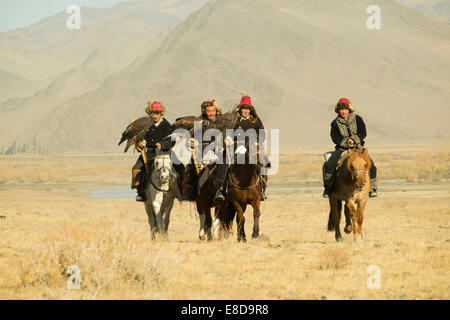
{"x": 245, "y": 100}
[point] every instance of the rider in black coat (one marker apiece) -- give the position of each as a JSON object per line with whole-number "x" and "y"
{"x": 154, "y": 139}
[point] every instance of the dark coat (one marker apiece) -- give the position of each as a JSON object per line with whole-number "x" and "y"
{"x": 358, "y": 134}
{"x": 246, "y": 124}
{"x": 156, "y": 134}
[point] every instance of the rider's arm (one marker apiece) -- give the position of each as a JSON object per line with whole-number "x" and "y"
{"x": 362, "y": 133}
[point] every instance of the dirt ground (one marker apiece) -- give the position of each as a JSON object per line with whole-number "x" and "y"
{"x": 48, "y": 222}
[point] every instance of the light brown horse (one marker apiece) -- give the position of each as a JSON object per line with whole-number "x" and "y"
{"x": 244, "y": 187}
{"x": 352, "y": 186}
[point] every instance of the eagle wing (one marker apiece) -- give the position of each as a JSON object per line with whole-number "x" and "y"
{"x": 135, "y": 131}
{"x": 227, "y": 120}
{"x": 186, "y": 123}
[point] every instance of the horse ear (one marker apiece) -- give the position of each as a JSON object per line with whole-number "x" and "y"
{"x": 365, "y": 151}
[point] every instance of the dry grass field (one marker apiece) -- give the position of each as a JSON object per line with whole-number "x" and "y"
{"x": 48, "y": 222}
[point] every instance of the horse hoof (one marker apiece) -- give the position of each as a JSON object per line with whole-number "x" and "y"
{"x": 348, "y": 229}
{"x": 339, "y": 239}
{"x": 255, "y": 235}
{"x": 358, "y": 239}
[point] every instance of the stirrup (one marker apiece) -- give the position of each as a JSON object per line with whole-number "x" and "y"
{"x": 219, "y": 196}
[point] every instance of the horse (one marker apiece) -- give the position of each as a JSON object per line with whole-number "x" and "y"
{"x": 221, "y": 225}
{"x": 245, "y": 187}
{"x": 352, "y": 186}
{"x": 161, "y": 192}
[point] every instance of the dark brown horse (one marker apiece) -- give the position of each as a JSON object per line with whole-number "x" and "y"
{"x": 221, "y": 224}
{"x": 244, "y": 187}
{"x": 352, "y": 186}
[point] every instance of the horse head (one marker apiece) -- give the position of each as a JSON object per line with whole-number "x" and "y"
{"x": 358, "y": 165}
{"x": 163, "y": 167}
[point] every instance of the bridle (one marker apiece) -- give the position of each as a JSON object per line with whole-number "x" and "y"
{"x": 357, "y": 174}
{"x": 158, "y": 173}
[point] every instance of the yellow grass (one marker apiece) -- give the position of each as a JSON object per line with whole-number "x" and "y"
{"x": 45, "y": 227}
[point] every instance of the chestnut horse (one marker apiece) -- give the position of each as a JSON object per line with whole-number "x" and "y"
{"x": 244, "y": 187}
{"x": 352, "y": 186}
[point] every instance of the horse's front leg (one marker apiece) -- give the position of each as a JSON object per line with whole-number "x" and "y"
{"x": 240, "y": 221}
{"x": 216, "y": 225}
{"x": 166, "y": 209}
{"x": 151, "y": 220}
{"x": 204, "y": 212}
{"x": 360, "y": 218}
{"x": 256, "y": 215}
{"x": 157, "y": 207}
{"x": 348, "y": 221}
{"x": 354, "y": 215}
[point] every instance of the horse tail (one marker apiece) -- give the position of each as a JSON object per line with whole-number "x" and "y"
{"x": 330, "y": 217}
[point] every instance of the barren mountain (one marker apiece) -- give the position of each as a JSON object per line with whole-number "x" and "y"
{"x": 48, "y": 48}
{"x": 435, "y": 9}
{"x": 121, "y": 34}
{"x": 295, "y": 58}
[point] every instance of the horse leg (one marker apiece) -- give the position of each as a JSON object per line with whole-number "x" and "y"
{"x": 216, "y": 223}
{"x": 336, "y": 207}
{"x": 156, "y": 202}
{"x": 167, "y": 208}
{"x": 202, "y": 218}
{"x": 354, "y": 215}
{"x": 348, "y": 221}
{"x": 240, "y": 221}
{"x": 208, "y": 224}
{"x": 151, "y": 219}
{"x": 256, "y": 215}
{"x": 360, "y": 219}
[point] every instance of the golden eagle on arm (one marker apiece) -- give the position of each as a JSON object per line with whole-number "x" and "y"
{"x": 135, "y": 132}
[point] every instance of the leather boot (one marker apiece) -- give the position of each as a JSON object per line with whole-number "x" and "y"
{"x": 221, "y": 172}
{"x": 327, "y": 183}
{"x": 264, "y": 186}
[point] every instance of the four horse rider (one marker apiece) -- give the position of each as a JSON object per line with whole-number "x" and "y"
{"x": 348, "y": 130}
{"x": 154, "y": 140}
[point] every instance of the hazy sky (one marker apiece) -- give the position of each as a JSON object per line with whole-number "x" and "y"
{"x": 22, "y": 13}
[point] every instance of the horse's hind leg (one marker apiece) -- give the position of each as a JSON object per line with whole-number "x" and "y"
{"x": 336, "y": 207}
{"x": 256, "y": 215}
